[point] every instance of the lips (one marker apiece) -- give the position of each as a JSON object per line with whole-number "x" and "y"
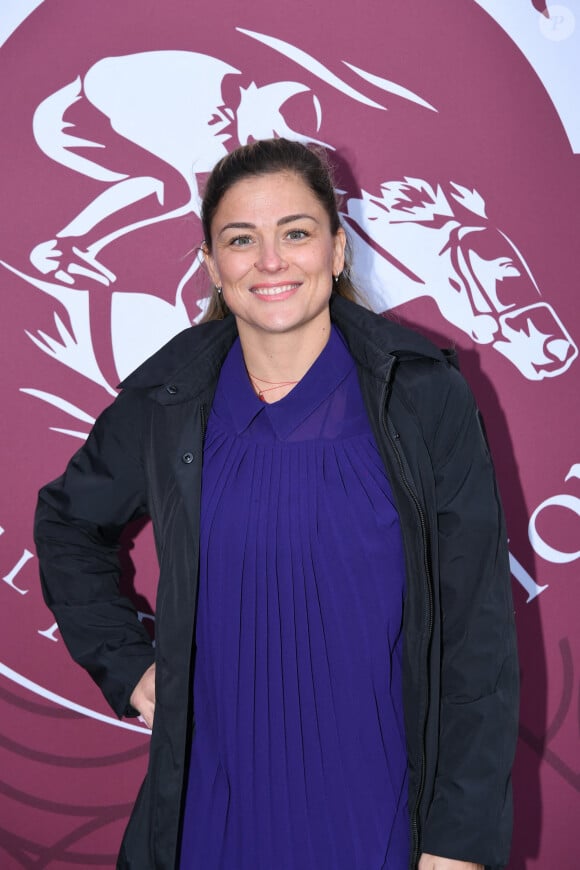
{"x": 277, "y": 290}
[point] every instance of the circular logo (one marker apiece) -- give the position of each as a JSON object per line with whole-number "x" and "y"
{"x": 558, "y": 24}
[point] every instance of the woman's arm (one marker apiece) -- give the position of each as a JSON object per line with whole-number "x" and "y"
{"x": 470, "y": 814}
{"x": 78, "y": 522}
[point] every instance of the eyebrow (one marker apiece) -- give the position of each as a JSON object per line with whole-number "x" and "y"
{"x": 288, "y": 219}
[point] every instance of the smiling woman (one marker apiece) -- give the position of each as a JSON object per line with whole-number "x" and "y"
{"x": 334, "y": 598}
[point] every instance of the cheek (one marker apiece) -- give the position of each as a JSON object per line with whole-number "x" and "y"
{"x": 235, "y": 267}
{"x": 318, "y": 263}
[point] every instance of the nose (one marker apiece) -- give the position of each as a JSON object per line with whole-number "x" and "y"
{"x": 270, "y": 257}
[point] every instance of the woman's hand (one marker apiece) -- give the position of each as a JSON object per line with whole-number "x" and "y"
{"x": 143, "y": 696}
{"x": 432, "y": 862}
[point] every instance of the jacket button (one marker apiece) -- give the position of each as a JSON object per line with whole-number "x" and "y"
{"x": 187, "y": 458}
{"x": 171, "y": 389}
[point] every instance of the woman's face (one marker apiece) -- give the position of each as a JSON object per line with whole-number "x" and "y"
{"x": 274, "y": 255}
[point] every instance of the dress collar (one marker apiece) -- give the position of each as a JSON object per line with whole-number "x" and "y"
{"x": 236, "y": 399}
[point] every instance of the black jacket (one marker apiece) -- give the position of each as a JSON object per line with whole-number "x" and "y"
{"x": 144, "y": 456}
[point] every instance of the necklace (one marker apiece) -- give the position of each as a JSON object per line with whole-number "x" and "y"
{"x": 272, "y": 385}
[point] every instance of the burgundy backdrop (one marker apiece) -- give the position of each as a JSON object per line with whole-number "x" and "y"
{"x": 461, "y": 183}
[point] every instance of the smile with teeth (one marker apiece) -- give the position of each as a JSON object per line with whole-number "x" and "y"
{"x": 274, "y": 291}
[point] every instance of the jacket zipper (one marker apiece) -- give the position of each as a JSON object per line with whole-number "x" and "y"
{"x": 413, "y": 819}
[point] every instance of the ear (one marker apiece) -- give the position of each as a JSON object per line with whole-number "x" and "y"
{"x": 338, "y": 253}
{"x": 210, "y": 265}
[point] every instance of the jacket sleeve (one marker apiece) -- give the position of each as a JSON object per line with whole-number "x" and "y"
{"x": 79, "y": 519}
{"x": 471, "y": 808}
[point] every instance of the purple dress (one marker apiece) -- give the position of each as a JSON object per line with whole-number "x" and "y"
{"x": 298, "y": 760}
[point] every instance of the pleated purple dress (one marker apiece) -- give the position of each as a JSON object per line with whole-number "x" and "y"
{"x": 298, "y": 760}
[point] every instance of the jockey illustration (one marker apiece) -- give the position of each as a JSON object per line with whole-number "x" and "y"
{"x": 170, "y": 104}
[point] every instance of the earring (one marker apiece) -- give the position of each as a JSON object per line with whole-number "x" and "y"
{"x": 218, "y": 288}
{"x": 336, "y": 277}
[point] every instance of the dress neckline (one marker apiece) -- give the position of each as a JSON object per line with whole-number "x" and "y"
{"x": 236, "y": 400}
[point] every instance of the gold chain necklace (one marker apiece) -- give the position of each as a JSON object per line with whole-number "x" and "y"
{"x": 272, "y": 385}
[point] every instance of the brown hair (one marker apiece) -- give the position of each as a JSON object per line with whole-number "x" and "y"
{"x": 262, "y": 157}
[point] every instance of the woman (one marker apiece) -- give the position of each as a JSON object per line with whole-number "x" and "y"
{"x": 334, "y": 595}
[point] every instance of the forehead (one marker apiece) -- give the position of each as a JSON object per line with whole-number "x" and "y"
{"x": 261, "y": 198}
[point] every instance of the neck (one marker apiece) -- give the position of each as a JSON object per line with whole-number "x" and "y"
{"x": 283, "y": 357}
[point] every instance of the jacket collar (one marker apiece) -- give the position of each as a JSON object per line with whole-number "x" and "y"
{"x": 186, "y": 365}
{"x": 374, "y": 340}
{"x": 190, "y": 362}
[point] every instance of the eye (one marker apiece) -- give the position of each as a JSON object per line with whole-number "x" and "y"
{"x": 297, "y": 235}
{"x": 240, "y": 241}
